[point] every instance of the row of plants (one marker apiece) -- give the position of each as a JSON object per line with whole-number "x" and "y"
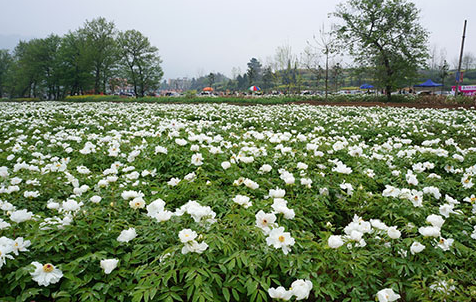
{"x": 272, "y": 100}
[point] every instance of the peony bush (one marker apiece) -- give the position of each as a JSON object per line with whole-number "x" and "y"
{"x": 214, "y": 202}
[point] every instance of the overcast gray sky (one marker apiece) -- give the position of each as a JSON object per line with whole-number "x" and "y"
{"x": 198, "y": 37}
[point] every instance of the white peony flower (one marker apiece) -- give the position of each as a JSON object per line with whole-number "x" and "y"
{"x": 446, "y": 209}
{"x": 4, "y": 172}
{"x": 103, "y": 183}
{"x": 435, "y": 220}
{"x": 445, "y": 244}
{"x": 341, "y": 168}
{"x": 391, "y": 191}
{"x": 20, "y": 245}
{"x": 376, "y": 223}
{"x": 265, "y": 169}
{"x": 173, "y": 181}
{"x": 429, "y": 231}
{"x": 160, "y": 149}
{"x": 82, "y": 170}
{"x": 432, "y": 190}
{"x": 190, "y": 177}
{"x": 194, "y": 247}
{"x": 265, "y": 221}
{"x": 280, "y": 293}
{"x": 387, "y": 295}
{"x": 242, "y": 201}
{"x": 126, "y": 195}
{"x": 335, "y": 241}
{"x": 95, "y": 199}
{"x": 21, "y": 216}
{"x": 356, "y": 235}
{"x": 46, "y": 274}
{"x": 4, "y": 224}
{"x": 5, "y": 249}
{"x": 137, "y": 203}
{"x": 127, "y": 235}
{"x": 416, "y": 247}
{"x": 411, "y": 178}
{"x": 180, "y": 141}
{"x": 393, "y": 233}
{"x": 108, "y": 265}
{"x": 53, "y": 205}
{"x": 250, "y": 184}
{"x": 225, "y": 165}
{"x": 187, "y": 235}
{"x": 155, "y": 207}
{"x": 280, "y": 206}
{"x": 31, "y": 194}
{"x": 163, "y": 216}
{"x": 306, "y": 182}
{"x": 197, "y": 211}
{"x": 288, "y": 178}
{"x": 301, "y": 289}
{"x": 277, "y": 193}
{"x": 280, "y": 239}
{"x": 197, "y": 159}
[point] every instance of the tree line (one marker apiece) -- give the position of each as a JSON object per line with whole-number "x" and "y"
{"x": 94, "y": 59}
{"x": 388, "y": 45}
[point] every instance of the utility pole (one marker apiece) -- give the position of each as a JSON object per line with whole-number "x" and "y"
{"x": 458, "y": 74}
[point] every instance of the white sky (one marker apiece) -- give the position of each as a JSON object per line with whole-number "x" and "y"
{"x": 198, "y": 37}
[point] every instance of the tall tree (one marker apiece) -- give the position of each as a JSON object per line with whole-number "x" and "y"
{"x": 76, "y": 65}
{"x": 211, "y": 79}
{"x": 35, "y": 71}
{"x": 282, "y": 64}
{"x": 310, "y": 59}
{"x": 235, "y": 71}
{"x": 254, "y": 71}
{"x": 140, "y": 61}
{"x": 326, "y": 44}
{"x": 100, "y": 36}
{"x": 47, "y": 57}
{"x": 267, "y": 77}
{"x": 336, "y": 73}
{"x": 6, "y": 62}
{"x": 384, "y": 34}
{"x": 26, "y": 77}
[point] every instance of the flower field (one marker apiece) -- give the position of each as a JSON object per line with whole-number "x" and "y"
{"x": 214, "y": 202}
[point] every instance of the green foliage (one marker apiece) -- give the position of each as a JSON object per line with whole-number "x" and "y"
{"x": 101, "y": 50}
{"x": 6, "y": 61}
{"x": 140, "y": 62}
{"x": 238, "y": 264}
{"x": 254, "y": 72}
{"x": 81, "y": 62}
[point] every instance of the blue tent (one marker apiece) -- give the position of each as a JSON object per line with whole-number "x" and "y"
{"x": 428, "y": 83}
{"x": 366, "y": 86}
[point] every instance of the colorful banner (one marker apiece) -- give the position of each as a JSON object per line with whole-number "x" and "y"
{"x": 466, "y": 90}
